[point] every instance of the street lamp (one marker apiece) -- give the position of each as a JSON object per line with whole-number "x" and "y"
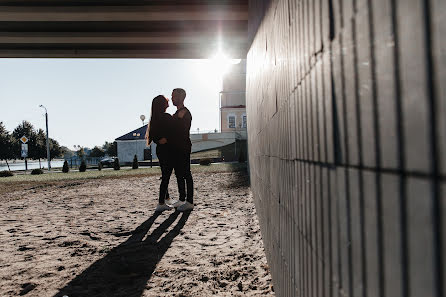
{"x": 47, "y": 138}
{"x": 136, "y": 139}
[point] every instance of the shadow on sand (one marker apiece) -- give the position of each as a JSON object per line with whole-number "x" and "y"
{"x": 125, "y": 270}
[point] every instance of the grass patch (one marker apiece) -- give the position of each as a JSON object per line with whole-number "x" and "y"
{"x": 124, "y": 172}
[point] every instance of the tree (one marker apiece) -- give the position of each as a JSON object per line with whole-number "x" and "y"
{"x": 65, "y": 167}
{"x": 36, "y": 143}
{"x": 67, "y": 152}
{"x": 40, "y": 149}
{"x": 24, "y": 129}
{"x": 83, "y": 166}
{"x": 110, "y": 148}
{"x": 55, "y": 149}
{"x": 135, "y": 162}
{"x": 6, "y": 145}
{"x": 80, "y": 153}
{"x": 97, "y": 152}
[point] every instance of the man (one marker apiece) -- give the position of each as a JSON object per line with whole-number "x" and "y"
{"x": 183, "y": 145}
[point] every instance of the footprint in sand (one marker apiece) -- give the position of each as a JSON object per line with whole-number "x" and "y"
{"x": 23, "y": 248}
{"x": 26, "y": 288}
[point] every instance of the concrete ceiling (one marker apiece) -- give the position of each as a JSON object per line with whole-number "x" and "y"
{"x": 123, "y": 29}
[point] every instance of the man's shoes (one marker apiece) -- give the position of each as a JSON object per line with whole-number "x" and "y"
{"x": 162, "y": 207}
{"x": 170, "y": 201}
{"x": 186, "y": 206}
{"x": 178, "y": 203}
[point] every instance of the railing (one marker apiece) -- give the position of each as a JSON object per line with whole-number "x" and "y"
{"x": 237, "y": 129}
{"x": 204, "y": 131}
{"x": 75, "y": 161}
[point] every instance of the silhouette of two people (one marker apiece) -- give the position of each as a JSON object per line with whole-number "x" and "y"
{"x": 171, "y": 134}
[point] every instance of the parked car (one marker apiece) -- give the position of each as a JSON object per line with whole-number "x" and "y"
{"x": 108, "y": 161}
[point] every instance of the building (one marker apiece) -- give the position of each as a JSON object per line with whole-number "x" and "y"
{"x": 233, "y": 99}
{"x": 134, "y": 143}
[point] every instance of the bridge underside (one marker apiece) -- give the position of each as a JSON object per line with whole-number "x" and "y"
{"x": 123, "y": 29}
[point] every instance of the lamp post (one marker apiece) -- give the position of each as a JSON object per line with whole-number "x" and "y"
{"x": 136, "y": 135}
{"x": 47, "y": 138}
{"x": 219, "y": 109}
{"x": 142, "y": 118}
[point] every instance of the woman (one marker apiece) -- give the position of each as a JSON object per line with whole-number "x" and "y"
{"x": 160, "y": 130}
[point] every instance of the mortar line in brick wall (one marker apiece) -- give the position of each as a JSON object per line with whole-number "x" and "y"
{"x": 324, "y": 110}
{"x": 403, "y": 177}
{"x": 435, "y": 156}
{"x": 338, "y": 247}
{"x": 337, "y": 151}
{"x": 349, "y": 232}
{"x": 331, "y": 21}
{"x": 360, "y": 149}
{"x": 306, "y": 224}
{"x": 318, "y": 98}
{"x": 328, "y": 197}
{"x": 363, "y": 232}
{"x": 310, "y": 99}
{"x": 378, "y": 195}
{"x": 341, "y": 13}
{"x": 322, "y": 228}
{"x": 318, "y": 220}
{"x": 330, "y": 238}
{"x": 344, "y": 103}
{"x": 356, "y": 95}
{"x": 313, "y": 221}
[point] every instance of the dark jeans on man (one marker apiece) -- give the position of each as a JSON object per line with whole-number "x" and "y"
{"x": 184, "y": 176}
{"x": 166, "y": 165}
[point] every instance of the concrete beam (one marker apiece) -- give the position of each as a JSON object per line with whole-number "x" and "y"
{"x": 122, "y": 29}
{"x": 123, "y": 13}
{"x": 118, "y": 37}
{"x": 117, "y": 53}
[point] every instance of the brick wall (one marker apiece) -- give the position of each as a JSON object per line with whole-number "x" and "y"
{"x": 346, "y": 105}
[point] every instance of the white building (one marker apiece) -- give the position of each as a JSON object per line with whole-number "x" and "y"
{"x": 134, "y": 143}
{"x": 233, "y": 99}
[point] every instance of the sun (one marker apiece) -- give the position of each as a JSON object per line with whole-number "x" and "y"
{"x": 215, "y": 67}
{"x": 222, "y": 63}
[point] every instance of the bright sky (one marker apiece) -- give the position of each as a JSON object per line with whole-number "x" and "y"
{"x": 91, "y": 101}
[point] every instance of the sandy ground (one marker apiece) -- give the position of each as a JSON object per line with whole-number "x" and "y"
{"x": 102, "y": 238}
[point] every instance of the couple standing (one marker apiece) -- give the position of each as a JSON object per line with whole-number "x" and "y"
{"x": 171, "y": 134}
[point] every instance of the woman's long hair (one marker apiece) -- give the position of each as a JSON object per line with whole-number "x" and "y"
{"x": 159, "y": 106}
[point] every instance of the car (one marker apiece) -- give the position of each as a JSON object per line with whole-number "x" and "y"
{"x": 107, "y": 161}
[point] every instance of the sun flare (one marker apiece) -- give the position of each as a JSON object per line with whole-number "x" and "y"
{"x": 216, "y": 66}
{"x": 222, "y": 63}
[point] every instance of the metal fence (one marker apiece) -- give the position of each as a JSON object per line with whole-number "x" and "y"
{"x": 76, "y": 162}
